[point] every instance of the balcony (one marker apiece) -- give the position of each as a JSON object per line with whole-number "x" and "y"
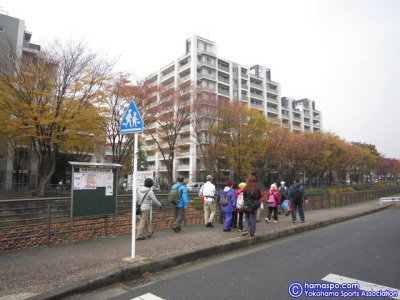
{"x": 184, "y": 78}
{"x": 272, "y": 100}
{"x": 206, "y": 62}
{"x": 223, "y": 91}
{"x": 184, "y": 64}
{"x": 272, "y": 90}
{"x": 272, "y": 109}
{"x": 168, "y": 77}
{"x": 223, "y": 79}
{"x": 256, "y": 104}
{"x": 256, "y": 95}
{"x": 256, "y": 85}
{"x": 244, "y": 97}
{"x": 206, "y": 75}
{"x": 223, "y": 67}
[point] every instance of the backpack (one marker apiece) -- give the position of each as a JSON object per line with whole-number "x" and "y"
{"x": 297, "y": 196}
{"x": 282, "y": 193}
{"x": 252, "y": 202}
{"x": 173, "y": 195}
{"x": 224, "y": 200}
{"x": 240, "y": 201}
{"x": 271, "y": 200}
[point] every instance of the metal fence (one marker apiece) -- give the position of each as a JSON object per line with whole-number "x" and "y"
{"x": 45, "y": 221}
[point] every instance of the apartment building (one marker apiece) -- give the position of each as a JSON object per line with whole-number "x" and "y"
{"x": 15, "y": 44}
{"x": 229, "y": 81}
{"x": 300, "y": 115}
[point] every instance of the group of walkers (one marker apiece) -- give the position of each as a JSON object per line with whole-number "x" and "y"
{"x": 246, "y": 204}
{"x": 236, "y": 206}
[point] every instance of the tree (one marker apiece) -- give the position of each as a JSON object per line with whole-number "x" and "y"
{"x": 244, "y": 138}
{"x": 118, "y": 92}
{"x": 51, "y": 101}
{"x": 168, "y": 122}
{"x": 205, "y": 131}
{"x": 269, "y": 167}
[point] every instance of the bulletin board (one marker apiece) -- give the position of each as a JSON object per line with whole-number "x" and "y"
{"x": 93, "y": 188}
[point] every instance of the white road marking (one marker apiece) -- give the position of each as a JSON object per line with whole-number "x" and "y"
{"x": 148, "y": 296}
{"x": 365, "y": 286}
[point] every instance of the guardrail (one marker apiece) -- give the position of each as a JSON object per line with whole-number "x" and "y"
{"x": 45, "y": 221}
{"x": 391, "y": 200}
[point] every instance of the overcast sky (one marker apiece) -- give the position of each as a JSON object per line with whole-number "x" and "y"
{"x": 345, "y": 55}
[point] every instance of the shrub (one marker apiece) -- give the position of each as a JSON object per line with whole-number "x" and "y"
{"x": 379, "y": 185}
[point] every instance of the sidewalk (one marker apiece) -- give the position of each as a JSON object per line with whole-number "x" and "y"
{"x": 57, "y": 271}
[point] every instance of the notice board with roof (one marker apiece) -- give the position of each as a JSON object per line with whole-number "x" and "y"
{"x": 93, "y": 188}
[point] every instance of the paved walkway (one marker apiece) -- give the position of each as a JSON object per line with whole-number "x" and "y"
{"x": 57, "y": 271}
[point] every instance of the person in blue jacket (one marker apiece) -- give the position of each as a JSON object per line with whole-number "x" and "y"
{"x": 181, "y": 206}
{"x": 228, "y": 210}
{"x": 297, "y": 204}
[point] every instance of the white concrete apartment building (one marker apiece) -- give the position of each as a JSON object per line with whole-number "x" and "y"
{"x": 301, "y": 114}
{"x": 229, "y": 81}
{"x": 15, "y": 41}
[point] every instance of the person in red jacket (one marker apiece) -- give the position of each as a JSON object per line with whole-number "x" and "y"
{"x": 273, "y": 202}
{"x": 239, "y": 211}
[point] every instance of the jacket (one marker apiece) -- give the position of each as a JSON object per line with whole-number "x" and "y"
{"x": 232, "y": 200}
{"x": 302, "y": 190}
{"x": 250, "y": 197}
{"x": 149, "y": 201}
{"x": 207, "y": 191}
{"x": 182, "y": 193}
{"x": 277, "y": 196}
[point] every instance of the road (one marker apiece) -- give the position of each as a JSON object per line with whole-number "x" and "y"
{"x": 365, "y": 249}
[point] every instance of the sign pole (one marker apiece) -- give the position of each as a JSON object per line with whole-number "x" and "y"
{"x": 132, "y": 122}
{"x": 134, "y": 194}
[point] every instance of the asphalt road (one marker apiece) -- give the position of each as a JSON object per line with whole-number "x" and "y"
{"x": 364, "y": 249}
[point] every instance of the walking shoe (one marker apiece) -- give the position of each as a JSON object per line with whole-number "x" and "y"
{"x": 275, "y": 221}
{"x": 140, "y": 238}
{"x": 245, "y": 233}
{"x": 176, "y": 229}
{"x": 267, "y": 220}
{"x": 150, "y": 235}
{"x": 227, "y": 230}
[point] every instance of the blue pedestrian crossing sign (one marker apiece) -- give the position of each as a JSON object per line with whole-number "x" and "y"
{"x": 131, "y": 122}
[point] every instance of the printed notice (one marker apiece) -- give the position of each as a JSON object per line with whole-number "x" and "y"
{"x": 91, "y": 179}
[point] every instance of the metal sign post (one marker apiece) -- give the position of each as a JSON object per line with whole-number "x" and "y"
{"x": 134, "y": 196}
{"x": 132, "y": 123}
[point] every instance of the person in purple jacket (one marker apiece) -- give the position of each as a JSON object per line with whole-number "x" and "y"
{"x": 227, "y": 210}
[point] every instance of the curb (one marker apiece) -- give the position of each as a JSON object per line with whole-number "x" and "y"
{"x": 142, "y": 266}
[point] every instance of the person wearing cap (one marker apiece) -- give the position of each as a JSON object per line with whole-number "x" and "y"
{"x": 239, "y": 212}
{"x": 228, "y": 210}
{"x": 208, "y": 192}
